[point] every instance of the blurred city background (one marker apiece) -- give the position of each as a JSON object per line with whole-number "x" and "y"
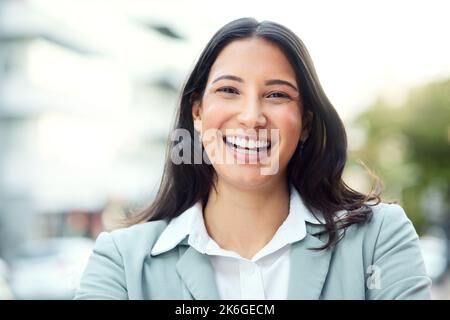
{"x": 88, "y": 90}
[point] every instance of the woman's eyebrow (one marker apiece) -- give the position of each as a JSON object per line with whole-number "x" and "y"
{"x": 229, "y": 77}
{"x": 279, "y": 81}
{"x": 267, "y": 83}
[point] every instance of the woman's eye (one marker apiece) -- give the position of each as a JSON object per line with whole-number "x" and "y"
{"x": 278, "y": 95}
{"x": 227, "y": 90}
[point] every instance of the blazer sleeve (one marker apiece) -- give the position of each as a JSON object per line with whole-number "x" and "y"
{"x": 398, "y": 270}
{"x": 104, "y": 276}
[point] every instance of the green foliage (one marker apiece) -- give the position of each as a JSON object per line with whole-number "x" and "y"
{"x": 408, "y": 146}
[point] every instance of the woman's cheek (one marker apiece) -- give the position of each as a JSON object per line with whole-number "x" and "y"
{"x": 290, "y": 129}
{"x": 215, "y": 113}
{"x": 212, "y": 117}
{"x": 288, "y": 121}
{"x": 293, "y": 125}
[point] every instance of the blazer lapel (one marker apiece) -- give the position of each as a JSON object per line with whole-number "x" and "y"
{"x": 197, "y": 273}
{"x": 308, "y": 269}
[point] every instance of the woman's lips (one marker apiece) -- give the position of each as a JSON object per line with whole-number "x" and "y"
{"x": 246, "y": 155}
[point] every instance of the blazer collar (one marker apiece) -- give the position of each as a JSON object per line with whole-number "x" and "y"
{"x": 197, "y": 274}
{"x": 184, "y": 224}
{"x": 308, "y": 271}
{"x": 308, "y": 268}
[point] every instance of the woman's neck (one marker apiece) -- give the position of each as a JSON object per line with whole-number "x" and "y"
{"x": 244, "y": 220}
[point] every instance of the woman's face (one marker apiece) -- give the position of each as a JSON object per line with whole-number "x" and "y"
{"x": 251, "y": 90}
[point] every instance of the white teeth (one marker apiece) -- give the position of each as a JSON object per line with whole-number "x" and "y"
{"x": 243, "y": 143}
{"x": 261, "y": 144}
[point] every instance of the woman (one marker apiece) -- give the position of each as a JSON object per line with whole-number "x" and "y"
{"x": 256, "y": 207}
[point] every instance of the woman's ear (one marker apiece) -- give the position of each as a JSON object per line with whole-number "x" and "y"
{"x": 197, "y": 115}
{"x": 306, "y": 125}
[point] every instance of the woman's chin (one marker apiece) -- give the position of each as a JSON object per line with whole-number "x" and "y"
{"x": 246, "y": 178}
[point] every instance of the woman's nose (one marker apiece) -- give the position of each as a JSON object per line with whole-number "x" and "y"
{"x": 251, "y": 114}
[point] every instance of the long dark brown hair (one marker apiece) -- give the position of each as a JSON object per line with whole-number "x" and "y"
{"x": 314, "y": 170}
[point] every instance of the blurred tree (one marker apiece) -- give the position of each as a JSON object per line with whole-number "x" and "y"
{"x": 408, "y": 146}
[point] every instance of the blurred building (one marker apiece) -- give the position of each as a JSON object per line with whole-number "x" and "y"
{"x": 85, "y": 112}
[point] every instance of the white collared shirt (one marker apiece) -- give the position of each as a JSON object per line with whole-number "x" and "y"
{"x": 265, "y": 276}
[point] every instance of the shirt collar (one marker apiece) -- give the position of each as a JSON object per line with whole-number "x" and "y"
{"x": 191, "y": 224}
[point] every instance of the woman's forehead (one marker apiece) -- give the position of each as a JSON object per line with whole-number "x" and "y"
{"x": 252, "y": 57}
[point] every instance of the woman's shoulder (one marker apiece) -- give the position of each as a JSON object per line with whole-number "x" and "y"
{"x": 389, "y": 227}
{"x": 117, "y": 254}
{"x": 387, "y": 211}
{"x": 388, "y": 218}
{"x": 136, "y": 238}
{"x": 392, "y": 255}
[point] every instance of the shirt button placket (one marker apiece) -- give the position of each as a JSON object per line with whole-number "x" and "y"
{"x": 251, "y": 281}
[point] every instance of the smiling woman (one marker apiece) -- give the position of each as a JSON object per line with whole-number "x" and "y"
{"x": 225, "y": 228}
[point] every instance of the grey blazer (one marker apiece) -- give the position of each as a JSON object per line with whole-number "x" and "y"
{"x": 377, "y": 260}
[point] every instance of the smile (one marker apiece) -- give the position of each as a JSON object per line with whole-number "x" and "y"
{"x": 247, "y": 145}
